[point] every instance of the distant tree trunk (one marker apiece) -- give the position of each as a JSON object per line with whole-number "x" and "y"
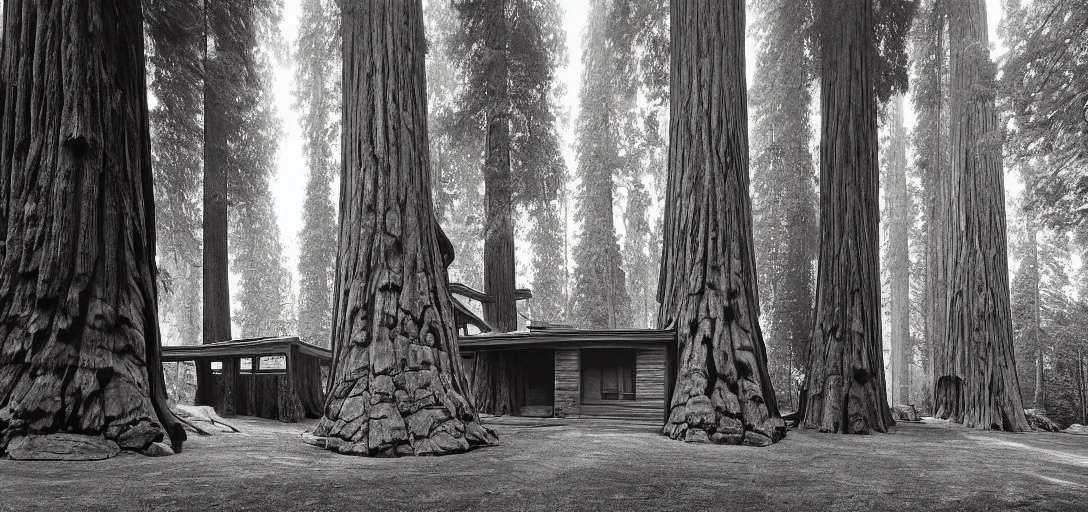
{"x": 899, "y": 221}
{"x": 397, "y": 385}
{"x": 722, "y": 392}
{"x": 1033, "y": 236}
{"x": 498, "y": 183}
{"x": 499, "y": 272}
{"x": 1082, "y": 393}
{"x": 216, "y": 281}
{"x": 79, "y": 332}
{"x": 846, "y": 389}
{"x": 936, "y": 294}
{"x": 976, "y": 381}
{"x": 1031, "y": 264}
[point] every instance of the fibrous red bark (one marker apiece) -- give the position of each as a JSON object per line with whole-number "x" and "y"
{"x": 721, "y": 392}
{"x": 976, "y": 376}
{"x": 845, "y": 378}
{"x": 397, "y": 385}
{"x": 79, "y": 332}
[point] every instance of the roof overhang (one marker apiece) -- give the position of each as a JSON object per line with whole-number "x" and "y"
{"x": 244, "y": 348}
{"x": 569, "y": 338}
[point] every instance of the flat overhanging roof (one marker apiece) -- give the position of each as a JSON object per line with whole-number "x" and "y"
{"x": 568, "y": 338}
{"x": 244, "y": 348}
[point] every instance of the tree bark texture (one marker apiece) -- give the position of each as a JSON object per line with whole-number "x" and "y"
{"x": 845, "y": 378}
{"x": 722, "y": 391}
{"x": 397, "y": 384}
{"x": 899, "y": 221}
{"x": 79, "y": 332}
{"x": 216, "y": 291}
{"x": 976, "y": 374}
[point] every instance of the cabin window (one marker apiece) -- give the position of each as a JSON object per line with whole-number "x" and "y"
{"x": 608, "y": 374}
{"x": 272, "y": 364}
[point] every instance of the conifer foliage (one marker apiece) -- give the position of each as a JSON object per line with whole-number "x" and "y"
{"x": 317, "y": 76}
{"x": 600, "y": 298}
{"x": 508, "y": 52}
{"x": 175, "y": 33}
{"x": 784, "y": 188}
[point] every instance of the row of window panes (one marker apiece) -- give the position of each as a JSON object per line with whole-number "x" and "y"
{"x": 273, "y": 364}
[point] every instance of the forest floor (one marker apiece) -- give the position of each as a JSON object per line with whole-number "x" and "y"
{"x": 545, "y": 464}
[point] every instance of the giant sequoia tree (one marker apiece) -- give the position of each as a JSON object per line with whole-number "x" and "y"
{"x": 845, "y": 379}
{"x": 721, "y": 391}
{"x": 975, "y": 369}
{"x": 216, "y": 277}
{"x": 489, "y": 20}
{"x": 79, "y": 331}
{"x": 240, "y": 129}
{"x": 397, "y": 386}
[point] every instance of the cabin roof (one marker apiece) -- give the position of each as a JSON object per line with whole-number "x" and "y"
{"x": 565, "y": 337}
{"x": 245, "y": 347}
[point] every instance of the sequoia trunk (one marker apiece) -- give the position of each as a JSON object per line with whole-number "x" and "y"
{"x": 976, "y": 375}
{"x": 845, "y": 378}
{"x": 397, "y": 385}
{"x": 79, "y": 332}
{"x": 721, "y": 392}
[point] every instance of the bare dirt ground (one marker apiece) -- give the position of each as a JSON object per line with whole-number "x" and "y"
{"x": 578, "y": 465}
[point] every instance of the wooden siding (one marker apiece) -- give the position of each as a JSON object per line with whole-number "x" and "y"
{"x": 650, "y": 376}
{"x": 568, "y": 393}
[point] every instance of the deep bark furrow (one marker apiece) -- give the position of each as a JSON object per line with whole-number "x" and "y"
{"x": 397, "y": 386}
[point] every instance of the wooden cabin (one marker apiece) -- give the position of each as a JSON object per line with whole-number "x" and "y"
{"x": 565, "y": 372}
{"x": 276, "y": 378}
